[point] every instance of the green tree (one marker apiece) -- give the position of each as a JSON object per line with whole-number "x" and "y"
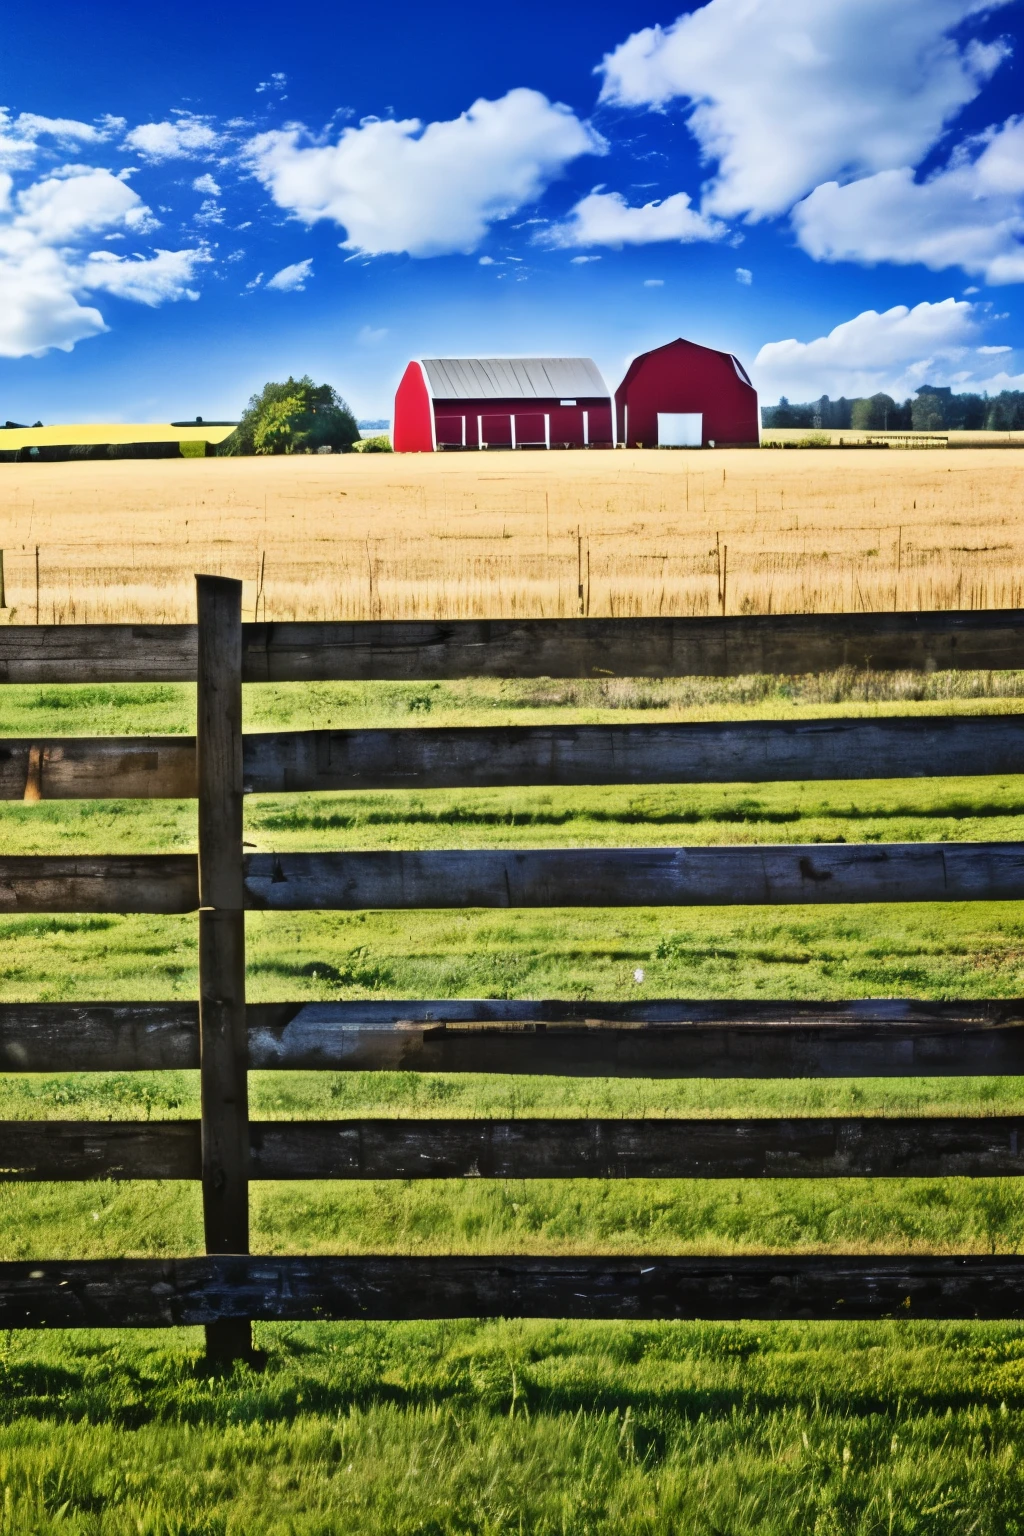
{"x": 878, "y": 413}
{"x": 297, "y": 416}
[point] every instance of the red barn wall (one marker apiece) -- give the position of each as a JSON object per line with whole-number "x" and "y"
{"x": 412, "y": 430}
{"x": 566, "y": 422}
{"x": 684, "y": 377}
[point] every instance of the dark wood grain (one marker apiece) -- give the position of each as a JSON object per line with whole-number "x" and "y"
{"x": 137, "y": 882}
{"x": 834, "y": 1147}
{"x": 97, "y": 653}
{"x": 98, "y": 1037}
{"x": 747, "y": 752}
{"x": 777, "y": 873}
{"x": 411, "y": 649}
{"x": 127, "y": 767}
{"x": 657, "y": 1039}
{"x": 164, "y": 1293}
{"x": 223, "y": 1042}
{"x": 874, "y": 1147}
{"x": 100, "y": 767}
{"x": 76, "y": 1150}
{"x": 674, "y": 647}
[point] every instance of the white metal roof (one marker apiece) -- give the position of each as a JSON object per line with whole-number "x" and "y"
{"x": 503, "y": 378}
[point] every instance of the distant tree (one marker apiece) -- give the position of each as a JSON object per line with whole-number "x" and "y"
{"x": 927, "y": 414}
{"x": 297, "y": 416}
{"x": 877, "y": 413}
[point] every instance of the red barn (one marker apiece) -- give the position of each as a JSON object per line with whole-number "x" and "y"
{"x": 685, "y": 396}
{"x": 501, "y": 402}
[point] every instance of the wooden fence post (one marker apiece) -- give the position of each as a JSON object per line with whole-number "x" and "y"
{"x": 222, "y": 1028}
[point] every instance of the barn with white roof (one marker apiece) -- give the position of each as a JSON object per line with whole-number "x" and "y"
{"x": 456, "y": 403}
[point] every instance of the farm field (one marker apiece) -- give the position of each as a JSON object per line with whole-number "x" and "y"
{"x": 451, "y": 535}
{"x": 550, "y": 1427}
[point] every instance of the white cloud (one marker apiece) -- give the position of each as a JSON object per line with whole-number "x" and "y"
{"x": 79, "y": 200}
{"x": 605, "y": 218}
{"x": 369, "y": 335}
{"x": 19, "y": 136}
{"x": 206, "y": 183}
{"x": 44, "y": 271}
{"x": 487, "y": 261}
{"x": 581, "y": 261}
{"x": 277, "y": 82}
{"x": 969, "y": 215}
{"x": 187, "y": 137}
{"x": 400, "y": 186}
{"x": 38, "y": 307}
{"x": 209, "y": 212}
{"x": 148, "y": 280}
{"x": 1000, "y": 381}
{"x": 292, "y": 279}
{"x": 255, "y": 282}
{"x": 895, "y": 351}
{"x": 744, "y": 276}
{"x": 787, "y": 93}
{"x": 992, "y": 351}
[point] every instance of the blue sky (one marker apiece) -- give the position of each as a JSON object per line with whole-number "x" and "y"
{"x": 194, "y": 201}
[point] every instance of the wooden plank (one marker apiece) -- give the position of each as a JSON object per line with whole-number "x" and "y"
{"x": 223, "y": 1041}
{"x": 776, "y": 873}
{"x": 77, "y": 1150}
{"x": 747, "y": 752}
{"x": 667, "y": 647}
{"x": 99, "y": 767}
{"x": 659, "y": 1039}
{"x": 870, "y": 1147}
{"x": 413, "y": 649}
{"x": 822, "y": 1148}
{"x": 97, "y": 653}
{"x": 98, "y": 1037}
{"x": 137, "y": 882}
{"x": 655, "y": 1039}
{"x": 164, "y": 1293}
{"x": 127, "y": 767}
{"x": 779, "y": 873}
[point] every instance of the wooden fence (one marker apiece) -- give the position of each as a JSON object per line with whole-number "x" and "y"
{"x": 224, "y": 1037}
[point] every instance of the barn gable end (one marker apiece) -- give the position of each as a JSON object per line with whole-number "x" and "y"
{"x": 680, "y": 380}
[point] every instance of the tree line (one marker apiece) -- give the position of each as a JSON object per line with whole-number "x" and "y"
{"x": 935, "y": 408}
{"x": 297, "y": 416}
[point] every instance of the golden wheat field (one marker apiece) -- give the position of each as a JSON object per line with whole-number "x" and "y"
{"x": 535, "y": 535}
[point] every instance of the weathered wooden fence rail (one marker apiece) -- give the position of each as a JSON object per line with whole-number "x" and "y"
{"x": 225, "y": 1038}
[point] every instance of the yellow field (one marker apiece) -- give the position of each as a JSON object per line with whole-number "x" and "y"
{"x": 516, "y": 534}
{"x": 111, "y": 432}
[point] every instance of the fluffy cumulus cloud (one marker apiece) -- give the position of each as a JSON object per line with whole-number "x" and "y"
{"x": 46, "y": 267}
{"x": 148, "y": 280}
{"x": 186, "y": 137}
{"x": 894, "y": 351}
{"x": 969, "y": 215}
{"x": 292, "y": 279}
{"x": 786, "y": 94}
{"x": 428, "y": 190}
{"x": 21, "y": 136}
{"x": 605, "y": 218}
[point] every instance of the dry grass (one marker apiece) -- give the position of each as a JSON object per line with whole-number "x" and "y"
{"x": 525, "y": 534}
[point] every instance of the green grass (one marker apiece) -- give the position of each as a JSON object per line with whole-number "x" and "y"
{"x": 476, "y": 1429}
{"x": 550, "y": 1428}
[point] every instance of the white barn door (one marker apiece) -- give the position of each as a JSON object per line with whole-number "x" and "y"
{"x": 680, "y": 429}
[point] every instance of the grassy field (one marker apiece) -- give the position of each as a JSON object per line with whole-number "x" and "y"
{"x": 490, "y": 1428}
{"x": 449, "y": 535}
{"x": 548, "y": 1428}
